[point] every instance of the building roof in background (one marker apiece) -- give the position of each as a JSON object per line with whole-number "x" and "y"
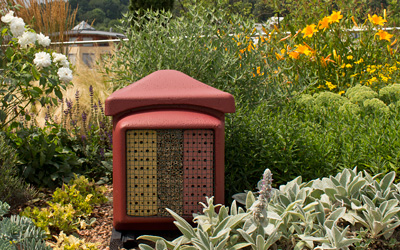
{"x": 83, "y": 26}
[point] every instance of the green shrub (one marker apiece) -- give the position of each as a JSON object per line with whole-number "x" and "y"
{"x": 359, "y": 94}
{"x": 390, "y": 94}
{"x": 329, "y": 100}
{"x": 13, "y": 189}
{"x": 19, "y": 233}
{"x": 376, "y": 106}
{"x": 70, "y": 207}
{"x": 309, "y": 140}
{"x": 71, "y": 242}
{"x": 25, "y": 60}
{"x": 209, "y": 45}
{"x": 89, "y": 135}
{"x": 45, "y": 158}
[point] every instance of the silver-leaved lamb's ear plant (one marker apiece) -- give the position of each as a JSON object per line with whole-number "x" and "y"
{"x": 351, "y": 210}
{"x": 30, "y": 72}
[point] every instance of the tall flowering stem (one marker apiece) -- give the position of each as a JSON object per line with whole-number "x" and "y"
{"x": 260, "y": 205}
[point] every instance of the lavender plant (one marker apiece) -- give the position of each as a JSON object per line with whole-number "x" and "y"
{"x": 91, "y": 132}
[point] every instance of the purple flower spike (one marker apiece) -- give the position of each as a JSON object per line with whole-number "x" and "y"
{"x": 84, "y": 116}
{"x": 91, "y": 90}
{"x": 69, "y": 104}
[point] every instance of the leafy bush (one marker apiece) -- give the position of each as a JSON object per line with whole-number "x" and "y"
{"x": 311, "y": 136}
{"x": 45, "y": 158}
{"x": 81, "y": 143}
{"x": 19, "y": 233}
{"x": 25, "y": 61}
{"x": 69, "y": 208}
{"x": 70, "y": 242}
{"x": 206, "y": 44}
{"x": 350, "y": 210}
{"x": 90, "y": 135}
{"x": 13, "y": 189}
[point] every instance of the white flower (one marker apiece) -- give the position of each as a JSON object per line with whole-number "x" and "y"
{"x": 65, "y": 74}
{"x": 42, "y": 59}
{"x": 17, "y": 26}
{"x": 8, "y": 17}
{"x": 28, "y": 38}
{"x": 43, "y": 40}
{"x": 61, "y": 59}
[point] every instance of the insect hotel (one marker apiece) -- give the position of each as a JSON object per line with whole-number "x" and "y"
{"x": 168, "y": 149}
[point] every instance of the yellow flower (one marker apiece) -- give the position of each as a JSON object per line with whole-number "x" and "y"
{"x": 250, "y": 46}
{"x": 325, "y": 60}
{"x": 350, "y": 57}
{"x": 281, "y": 55}
{"x": 324, "y": 23}
{"x": 294, "y": 54}
{"x": 349, "y": 65}
{"x": 384, "y": 78}
{"x": 341, "y": 92}
{"x": 335, "y": 17}
{"x": 383, "y": 35}
{"x": 376, "y": 20}
{"x": 309, "y": 30}
{"x": 359, "y": 61}
{"x": 354, "y": 21}
{"x": 321, "y": 87}
{"x": 330, "y": 85}
{"x": 372, "y": 80}
{"x": 302, "y": 49}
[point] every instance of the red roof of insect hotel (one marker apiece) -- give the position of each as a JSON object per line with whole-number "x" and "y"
{"x": 168, "y": 87}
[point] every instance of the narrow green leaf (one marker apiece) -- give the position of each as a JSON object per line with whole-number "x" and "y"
{"x": 233, "y": 208}
{"x": 58, "y": 93}
{"x": 239, "y": 246}
{"x": 387, "y": 180}
{"x": 183, "y": 224}
{"x": 145, "y": 247}
{"x": 35, "y": 73}
{"x": 246, "y": 236}
{"x": 155, "y": 239}
{"x": 250, "y": 199}
{"x": 160, "y": 245}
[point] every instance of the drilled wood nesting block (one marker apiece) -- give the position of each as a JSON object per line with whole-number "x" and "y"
{"x": 198, "y": 168}
{"x": 141, "y": 159}
{"x": 169, "y": 169}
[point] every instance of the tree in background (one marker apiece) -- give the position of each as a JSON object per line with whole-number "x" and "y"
{"x": 136, "y": 5}
{"x": 102, "y": 14}
{"x": 244, "y": 8}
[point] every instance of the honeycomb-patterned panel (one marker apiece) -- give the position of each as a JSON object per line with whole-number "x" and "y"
{"x": 169, "y": 170}
{"x": 198, "y": 169}
{"x": 141, "y": 147}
